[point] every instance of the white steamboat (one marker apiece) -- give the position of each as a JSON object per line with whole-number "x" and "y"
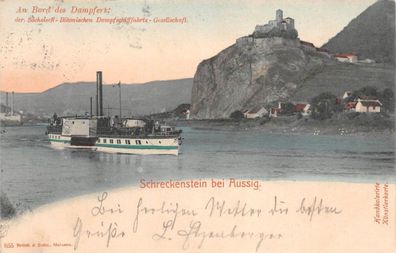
{"x": 113, "y": 135}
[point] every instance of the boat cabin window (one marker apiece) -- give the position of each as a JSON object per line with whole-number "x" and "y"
{"x": 127, "y": 142}
{"x": 138, "y": 142}
{"x": 98, "y": 140}
{"x": 118, "y": 141}
{"x": 111, "y": 141}
{"x": 104, "y": 140}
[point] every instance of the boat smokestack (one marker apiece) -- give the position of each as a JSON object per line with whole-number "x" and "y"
{"x": 90, "y": 107}
{"x": 99, "y": 94}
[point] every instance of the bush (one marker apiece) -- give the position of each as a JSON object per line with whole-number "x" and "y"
{"x": 368, "y": 91}
{"x": 388, "y": 99}
{"x": 181, "y": 109}
{"x": 352, "y": 115}
{"x": 265, "y": 120}
{"x": 299, "y": 115}
{"x": 324, "y": 106}
{"x": 238, "y": 115}
{"x": 288, "y": 108}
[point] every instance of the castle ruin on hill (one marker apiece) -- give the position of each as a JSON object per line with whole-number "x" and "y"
{"x": 279, "y": 27}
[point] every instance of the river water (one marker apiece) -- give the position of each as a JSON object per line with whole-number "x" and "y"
{"x": 33, "y": 173}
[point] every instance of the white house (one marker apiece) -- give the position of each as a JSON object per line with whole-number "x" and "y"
{"x": 306, "y": 110}
{"x": 347, "y": 94}
{"x": 10, "y": 117}
{"x": 257, "y": 112}
{"x": 352, "y": 58}
{"x": 368, "y": 106}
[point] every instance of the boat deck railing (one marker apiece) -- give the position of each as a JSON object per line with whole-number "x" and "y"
{"x": 54, "y": 129}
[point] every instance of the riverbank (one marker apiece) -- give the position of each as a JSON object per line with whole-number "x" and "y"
{"x": 342, "y": 124}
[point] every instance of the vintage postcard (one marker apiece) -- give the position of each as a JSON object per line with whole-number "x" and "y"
{"x": 197, "y": 126}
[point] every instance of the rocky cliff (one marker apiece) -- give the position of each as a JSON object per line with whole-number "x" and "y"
{"x": 252, "y": 72}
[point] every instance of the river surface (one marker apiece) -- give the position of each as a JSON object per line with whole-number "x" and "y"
{"x": 33, "y": 173}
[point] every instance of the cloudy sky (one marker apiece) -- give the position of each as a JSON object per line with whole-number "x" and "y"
{"x": 37, "y": 56}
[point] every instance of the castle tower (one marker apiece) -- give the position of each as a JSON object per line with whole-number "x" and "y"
{"x": 290, "y": 22}
{"x": 279, "y": 16}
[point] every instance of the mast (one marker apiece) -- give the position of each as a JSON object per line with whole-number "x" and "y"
{"x": 12, "y": 105}
{"x": 119, "y": 97}
{"x": 90, "y": 107}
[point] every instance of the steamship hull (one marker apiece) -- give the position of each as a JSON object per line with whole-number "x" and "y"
{"x": 168, "y": 145}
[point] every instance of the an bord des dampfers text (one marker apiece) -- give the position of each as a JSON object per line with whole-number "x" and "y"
{"x": 86, "y": 15}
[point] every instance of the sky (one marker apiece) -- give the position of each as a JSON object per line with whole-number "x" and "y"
{"x": 37, "y": 56}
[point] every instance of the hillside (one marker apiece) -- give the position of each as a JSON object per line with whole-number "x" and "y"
{"x": 370, "y": 35}
{"x": 339, "y": 78}
{"x": 73, "y": 98}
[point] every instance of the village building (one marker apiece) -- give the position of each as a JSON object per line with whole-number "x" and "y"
{"x": 350, "y": 106}
{"x": 257, "y": 112}
{"x": 368, "y": 106}
{"x": 347, "y": 94}
{"x": 307, "y": 110}
{"x": 302, "y": 108}
{"x": 299, "y": 108}
{"x": 351, "y": 58}
{"x": 274, "y": 111}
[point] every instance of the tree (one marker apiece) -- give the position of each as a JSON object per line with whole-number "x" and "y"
{"x": 367, "y": 91}
{"x": 237, "y": 115}
{"x": 387, "y": 98}
{"x": 324, "y": 106}
{"x": 288, "y": 108}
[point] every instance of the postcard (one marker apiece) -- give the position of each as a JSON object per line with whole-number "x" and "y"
{"x": 197, "y": 126}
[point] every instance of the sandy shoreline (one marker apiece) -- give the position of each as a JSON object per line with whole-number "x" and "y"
{"x": 279, "y": 217}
